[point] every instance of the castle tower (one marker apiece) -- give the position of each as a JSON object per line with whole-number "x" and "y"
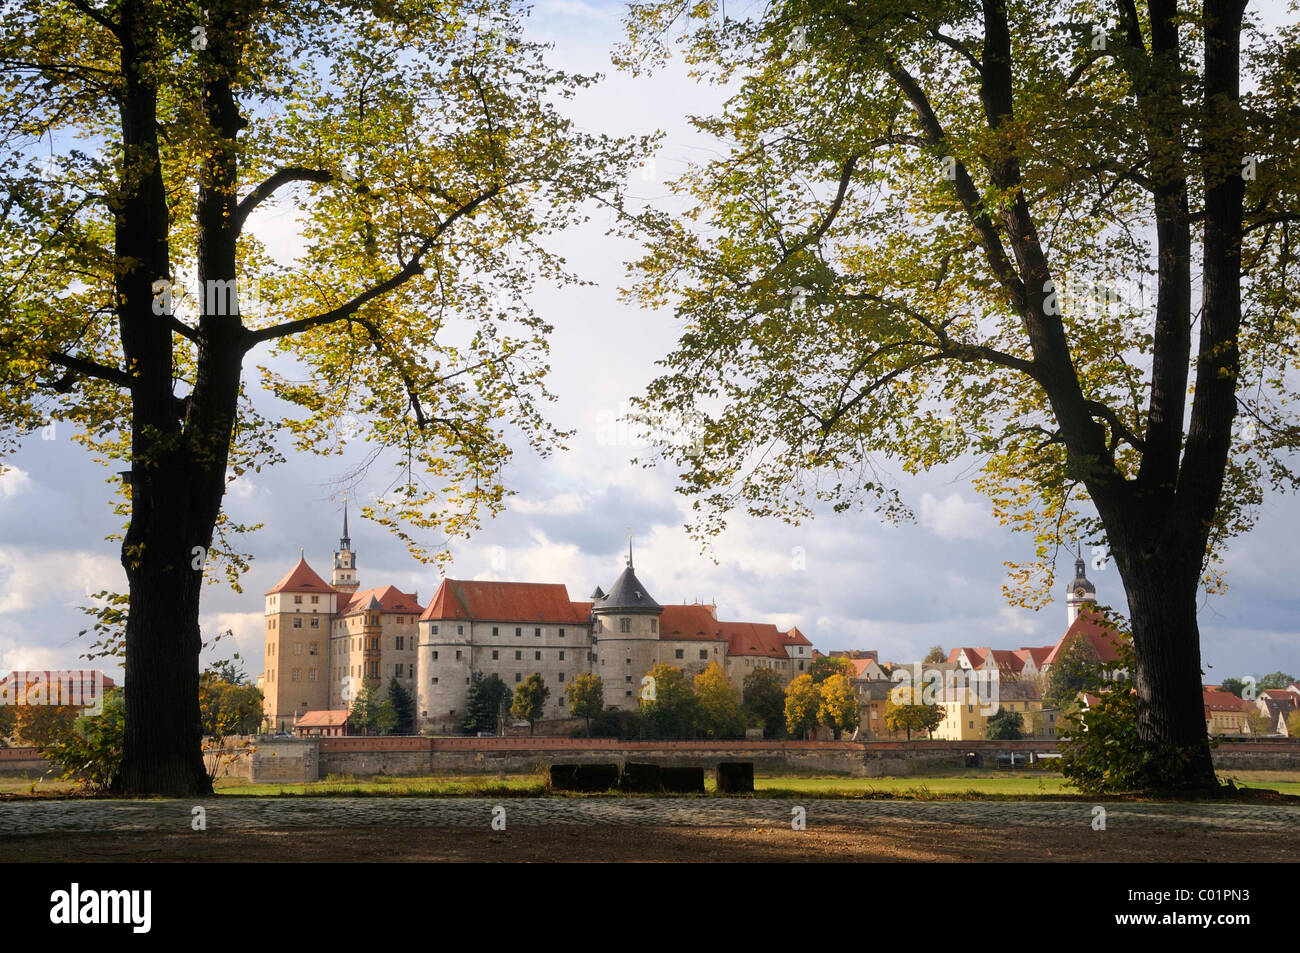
{"x": 345, "y": 560}
{"x": 1080, "y": 592}
{"x": 299, "y": 611}
{"x": 626, "y": 631}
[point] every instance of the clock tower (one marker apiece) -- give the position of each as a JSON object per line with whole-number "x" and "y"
{"x": 1081, "y": 592}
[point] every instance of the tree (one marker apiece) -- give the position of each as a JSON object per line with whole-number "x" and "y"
{"x": 803, "y": 702}
{"x": 530, "y": 700}
{"x": 840, "y": 709}
{"x": 1276, "y": 680}
{"x": 7, "y": 724}
{"x": 1293, "y": 724}
{"x": 922, "y": 216}
{"x": 403, "y": 708}
{"x": 384, "y": 717}
{"x": 721, "y": 714}
{"x": 764, "y": 700}
{"x": 1233, "y": 686}
{"x": 903, "y": 713}
{"x": 586, "y": 697}
{"x": 43, "y": 725}
{"x": 228, "y": 708}
{"x": 1070, "y": 672}
{"x": 670, "y": 709}
{"x": 1258, "y": 723}
{"x": 430, "y": 167}
{"x": 936, "y": 655}
{"x": 823, "y": 667}
{"x": 487, "y": 696}
{"x": 1006, "y": 725}
{"x": 365, "y": 706}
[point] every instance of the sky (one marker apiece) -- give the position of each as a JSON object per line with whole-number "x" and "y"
{"x": 847, "y": 581}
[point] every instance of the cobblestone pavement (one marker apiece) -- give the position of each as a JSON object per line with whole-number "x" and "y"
{"x": 248, "y": 813}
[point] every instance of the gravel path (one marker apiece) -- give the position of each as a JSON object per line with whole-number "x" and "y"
{"x": 249, "y": 813}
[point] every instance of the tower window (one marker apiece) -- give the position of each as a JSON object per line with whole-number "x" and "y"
{"x": 496, "y": 630}
{"x": 625, "y": 625}
{"x": 537, "y": 632}
{"x": 654, "y": 625}
{"x": 460, "y": 630}
{"x": 561, "y": 633}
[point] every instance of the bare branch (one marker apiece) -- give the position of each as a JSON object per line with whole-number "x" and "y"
{"x": 264, "y": 191}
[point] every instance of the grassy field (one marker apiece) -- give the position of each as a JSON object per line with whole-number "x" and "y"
{"x": 968, "y": 784}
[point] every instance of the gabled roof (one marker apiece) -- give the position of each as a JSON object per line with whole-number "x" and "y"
{"x": 301, "y": 578}
{"x": 1008, "y": 662}
{"x": 795, "y": 637}
{"x": 1036, "y": 655}
{"x": 382, "y": 598}
{"x": 479, "y": 600}
{"x": 1094, "y": 627}
{"x": 753, "y": 638}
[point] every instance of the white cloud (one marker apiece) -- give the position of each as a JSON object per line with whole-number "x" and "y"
{"x": 30, "y": 578}
{"x": 13, "y": 481}
{"x": 953, "y": 518}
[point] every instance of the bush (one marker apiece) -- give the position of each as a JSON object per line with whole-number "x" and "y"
{"x": 1101, "y": 752}
{"x": 736, "y": 777}
{"x": 91, "y": 753}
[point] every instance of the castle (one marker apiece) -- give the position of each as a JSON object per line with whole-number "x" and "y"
{"x": 324, "y": 638}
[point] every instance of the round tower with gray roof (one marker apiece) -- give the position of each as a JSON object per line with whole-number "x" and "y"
{"x": 625, "y": 627}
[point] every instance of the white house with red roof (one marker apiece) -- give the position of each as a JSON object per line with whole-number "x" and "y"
{"x": 325, "y": 639}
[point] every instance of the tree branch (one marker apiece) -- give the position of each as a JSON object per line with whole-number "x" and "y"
{"x": 412, "y": 268}
{"x": 295, "y": 173}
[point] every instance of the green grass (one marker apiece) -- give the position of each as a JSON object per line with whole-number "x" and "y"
{"x": 924, "y": 786}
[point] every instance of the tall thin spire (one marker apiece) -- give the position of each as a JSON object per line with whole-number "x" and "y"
{"x": 345, "y": 541}
{"x": 629, "y": 547}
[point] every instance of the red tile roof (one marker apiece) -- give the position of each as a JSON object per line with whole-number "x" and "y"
{"x": 472, "y": 599}
{"x": 390, "y": 598}
{"x": 301, "y": 578}
{"x": 795, "y": 637}
{"x": 1037, "y": 655}
{"x": 1094, "y": 627}
{"x": 1224, "y": 701}
{"x": 1007, "y": 661}
{"x": 688, "y": 622}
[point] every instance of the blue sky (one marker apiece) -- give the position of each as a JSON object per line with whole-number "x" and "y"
{"x": 846, "y": 581}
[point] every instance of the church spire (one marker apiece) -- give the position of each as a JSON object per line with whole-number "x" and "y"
{"x": 1080, "y": 590}
{"x": 345, "y": 560}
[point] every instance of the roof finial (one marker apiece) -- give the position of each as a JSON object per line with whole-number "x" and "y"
{"x": 629, "y": 547}
{"x": 345, "y": 541}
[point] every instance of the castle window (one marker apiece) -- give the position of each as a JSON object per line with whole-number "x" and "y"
{"x": 495, "y": 630}
{"x": 401, "y": 642}
{"x": 679, "y": 654}
{"x": 518, "y": 677}
{"x": 315, "y": 622}
{"x": 297, "y": 623}
{"x": 628, "y": 694}
{"x": 519, "y": 656}
{"x": 629, "y": 661}
{"x": 561, "y": 633}
{"x": 495, "y": 655}
{"x": 311, "y": 675}
{"x": 460, "y": 630}
{"x": 297, "y": 648}
{"x": 435, "y": 630}
{"x": 627, "y": 678}
{"x": 315, "y": 600}
{"x": 561, "y": 676}
{"x": 704, "y": 654}
{"x": 313, "y": 649}
{"x": 625, "y": 625}
{"x": 401, "y": 671}
{"x": 401, "y": 619}
{"x": 458, "y": 655}
{"x": 654, "y": 625}
{"x": 561, "y": 655}
{"x": 435, "y": 655}
{"x": 297, "y": 675}
{"x": 434, "y": 680}
{"x": 518, "y": 632}
{"x": 537, "y": 656}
